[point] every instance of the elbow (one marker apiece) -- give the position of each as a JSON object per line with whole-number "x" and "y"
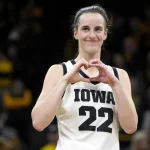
{"x": 131, "y": 130}
{"x": 131, "y": 126}
{"x": 37, "y": 126}
{"x": 39, "y": 123}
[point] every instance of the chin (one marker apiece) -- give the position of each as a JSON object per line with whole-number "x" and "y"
{"x": 92, "y": 50}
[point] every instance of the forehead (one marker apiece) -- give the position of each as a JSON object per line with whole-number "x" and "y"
{"x": 91, "y": 19}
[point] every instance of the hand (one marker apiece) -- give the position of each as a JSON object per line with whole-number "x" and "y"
{"x": 73, "y": 76}
{"x": 104, "y": 75}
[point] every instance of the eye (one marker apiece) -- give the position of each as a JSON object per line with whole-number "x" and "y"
{"x": 98, "y": 29}
{"x": 85, "y": 28}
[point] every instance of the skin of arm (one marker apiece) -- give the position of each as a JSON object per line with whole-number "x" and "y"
{"x": 126, "y": 110}
{"x": 127, "y": 114}
{"x": 54, "y": 86}
{"x": 48, "y": 101}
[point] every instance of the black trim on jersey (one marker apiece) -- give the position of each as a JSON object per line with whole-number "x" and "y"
{"x": 64, "y": 72}
{"x": 80, "y": 71}
{"x": 115, "y": 72}
{"x": 64, "y": 68}
{"x": 83, "y": 74}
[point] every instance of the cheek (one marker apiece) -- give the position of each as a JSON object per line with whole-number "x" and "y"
{"x": 81, "y": 39}
{"x": 83, "y": 36}
{"x": 101, "y": 36}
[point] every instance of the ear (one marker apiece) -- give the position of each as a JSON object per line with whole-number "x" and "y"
{"x": 75, "y": 34}
{"x": 105, "y": 35}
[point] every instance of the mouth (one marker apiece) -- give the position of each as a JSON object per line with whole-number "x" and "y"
{"x": 92, "y": 42}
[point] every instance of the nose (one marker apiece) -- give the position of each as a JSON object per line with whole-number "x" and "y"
{"x": 92, "y": 34}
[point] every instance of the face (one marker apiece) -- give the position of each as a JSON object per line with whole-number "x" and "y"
{"x": 91, "y": 32}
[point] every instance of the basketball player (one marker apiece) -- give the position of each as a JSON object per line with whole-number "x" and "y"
{"x": 89, "y": 98}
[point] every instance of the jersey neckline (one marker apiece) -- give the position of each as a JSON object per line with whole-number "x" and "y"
{"x": 83, "y": 73}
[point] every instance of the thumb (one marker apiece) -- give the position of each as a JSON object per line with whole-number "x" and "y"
{"x": 84, "y": 79}
{"x": 93, "y": 79}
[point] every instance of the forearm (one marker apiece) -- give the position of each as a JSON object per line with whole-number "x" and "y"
{"x": 44, "y": 111}
{"x": 126, "y": 110}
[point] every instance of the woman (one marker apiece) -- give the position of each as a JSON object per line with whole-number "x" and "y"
{"x": 88, "y": 97}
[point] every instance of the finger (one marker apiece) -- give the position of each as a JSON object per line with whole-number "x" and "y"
{"x": 93, "y": 65}
{"x": 81, "y": 63}
{"x": 85, "y": 80}
{"x": 86, "y": 66}
{"x": 99, "y": 65}
{"x": 94, "y": 61}
{"x": 93, "y": 79}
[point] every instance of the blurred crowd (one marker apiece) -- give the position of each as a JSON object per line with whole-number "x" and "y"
{"x": 25, "y": 56}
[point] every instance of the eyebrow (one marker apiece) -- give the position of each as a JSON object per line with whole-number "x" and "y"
{"x": 88, "y": 26}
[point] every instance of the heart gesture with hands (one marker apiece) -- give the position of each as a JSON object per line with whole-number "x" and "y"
{"x": 73, "y": 76}
{"x": 104, "y": 75}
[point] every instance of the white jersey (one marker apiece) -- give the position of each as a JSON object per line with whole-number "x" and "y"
{"x": 87, "y": 116}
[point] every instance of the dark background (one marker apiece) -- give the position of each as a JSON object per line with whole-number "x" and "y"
{"x": 44, "y": 27}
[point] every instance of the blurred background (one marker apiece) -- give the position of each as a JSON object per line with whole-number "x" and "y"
{"x": 35, "y": 34}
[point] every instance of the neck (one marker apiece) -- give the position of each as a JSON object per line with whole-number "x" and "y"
{"x": 87, "y": 57}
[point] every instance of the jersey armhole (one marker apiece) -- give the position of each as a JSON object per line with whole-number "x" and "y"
{"x": 115, "y": 72}
{"x": 64, "y": 68}
{"x": 64, "y": 72}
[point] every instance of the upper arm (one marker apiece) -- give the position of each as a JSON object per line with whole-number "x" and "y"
{"x": 125, "y": 81}
{"x": 53, "y": 75}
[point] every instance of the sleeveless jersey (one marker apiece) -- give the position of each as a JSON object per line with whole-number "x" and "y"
{"x": 87, "y": 115}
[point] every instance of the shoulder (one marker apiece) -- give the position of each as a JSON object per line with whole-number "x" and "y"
{"x": 56, "y": 68}
{"x": 54, "y": 72}
{"x": 124, "y": 80}
{"x": 124, "y": 77}
{"x": 122, "y": 73}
